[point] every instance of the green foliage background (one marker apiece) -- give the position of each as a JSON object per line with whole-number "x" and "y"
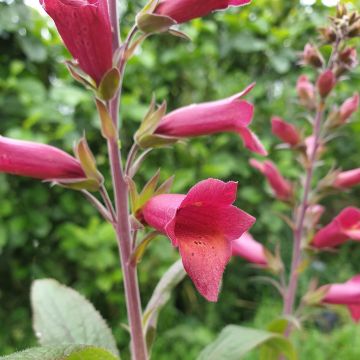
{"x": 55, "y": 233}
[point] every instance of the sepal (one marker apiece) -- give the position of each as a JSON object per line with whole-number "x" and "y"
{"x": 79, "y": 75}
{"x": 145, "y": 136}
{"x": 151, "y": 23}
{"x": 315, "y": 295}
{"x": 94, "y": 178}
{"x": 139, "y": 252}
{"x": 109, "y": 85}
{"x": 151, "y": 189}
{"x": 108, "y": 130}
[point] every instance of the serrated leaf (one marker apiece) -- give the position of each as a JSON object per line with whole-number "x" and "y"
{"x": 161, "y": 295}
{"x": 234, "y": 342}
{"x": 64, "y": 352}
{"x": 63, "y": 316}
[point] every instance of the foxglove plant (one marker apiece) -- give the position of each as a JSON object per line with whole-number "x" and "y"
{"x": 203, "y": 224}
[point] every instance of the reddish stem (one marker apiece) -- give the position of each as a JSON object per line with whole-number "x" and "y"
{"x": 122, "y": 225}
{"x": 299, "y": 228}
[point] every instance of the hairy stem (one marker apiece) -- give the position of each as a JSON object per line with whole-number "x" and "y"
{"x": 123, "y": 232}
{"x": 300, "y": 218}
{"x": 122, "y": 224}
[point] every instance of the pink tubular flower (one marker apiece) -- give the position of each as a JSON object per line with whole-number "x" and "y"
{"x": 281, "y": 187}
{"x": 344, "y": 226}
{"x": 348, "y": 108}
{"x": 203, "y": 225}
{"x": 38, "y": 161}
{"x": 306, "y": 91}
{"x": 347, "y": 179}
{"x": 248, "y": 248}
{"x": 286, "y": 132}
{"x": 347, "y": 293}
{"x": 84, "y": 26}
{"x": 231, "y": 114}
{"x": 185, "y": 10}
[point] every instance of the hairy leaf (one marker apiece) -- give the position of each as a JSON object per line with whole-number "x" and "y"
{"x": 63, "y": 316}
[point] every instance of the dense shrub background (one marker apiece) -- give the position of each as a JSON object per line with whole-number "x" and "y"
{"x": 54, "y": 233}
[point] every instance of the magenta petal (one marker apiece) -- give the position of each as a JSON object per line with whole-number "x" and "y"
{"x": 85, "y": 29}
{"x": 355, "y": 312}
{"x": 285, "y": 131}
{"x": 40, "y": 161}
{"x": 160, "y": 210}
{"x": 281, "y": 187}
{"x": 348, "y": 294}
{"x": 205, "y": 260}
{"x": 329, "y": 236}
{"x": 248, "y": 248}
{"x": 207, "y": 118}
{"x": 347, "y": 178}
{"x": 211, "y": 191}
{"x": 185, "y": 10}
{"x": 251, "y": 141}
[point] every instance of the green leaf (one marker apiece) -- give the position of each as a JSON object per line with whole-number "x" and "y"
{"x": 160, "y": 297}
{"x": 280, "y": 325}
{"x": 64, "y": 352}
{"x": 234, "y": 342}
{"x": 63, "y": 316}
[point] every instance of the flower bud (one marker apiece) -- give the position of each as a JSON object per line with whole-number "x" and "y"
{"x": 286, "y": 132}
{"x": 349, "y": 106}
{"x": 326, "y": 83}
{"x": 349, "y": 57}
{"x": 280, "y": 186}
{"x": 306, "y": 92}
{"x": 249, "y": 249}
{"x": 232, "y": 114}
{"x": 347, "y": 294}
{"x": 186, "y": 10}
{"x": 312, "y": 56}
{"x": 343, "y": 227}
{"x": 40, "y": 161}
{"x": 347, "y": 179}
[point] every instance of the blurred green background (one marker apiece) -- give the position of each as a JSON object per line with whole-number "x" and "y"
{"x": 54, "y": 233}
